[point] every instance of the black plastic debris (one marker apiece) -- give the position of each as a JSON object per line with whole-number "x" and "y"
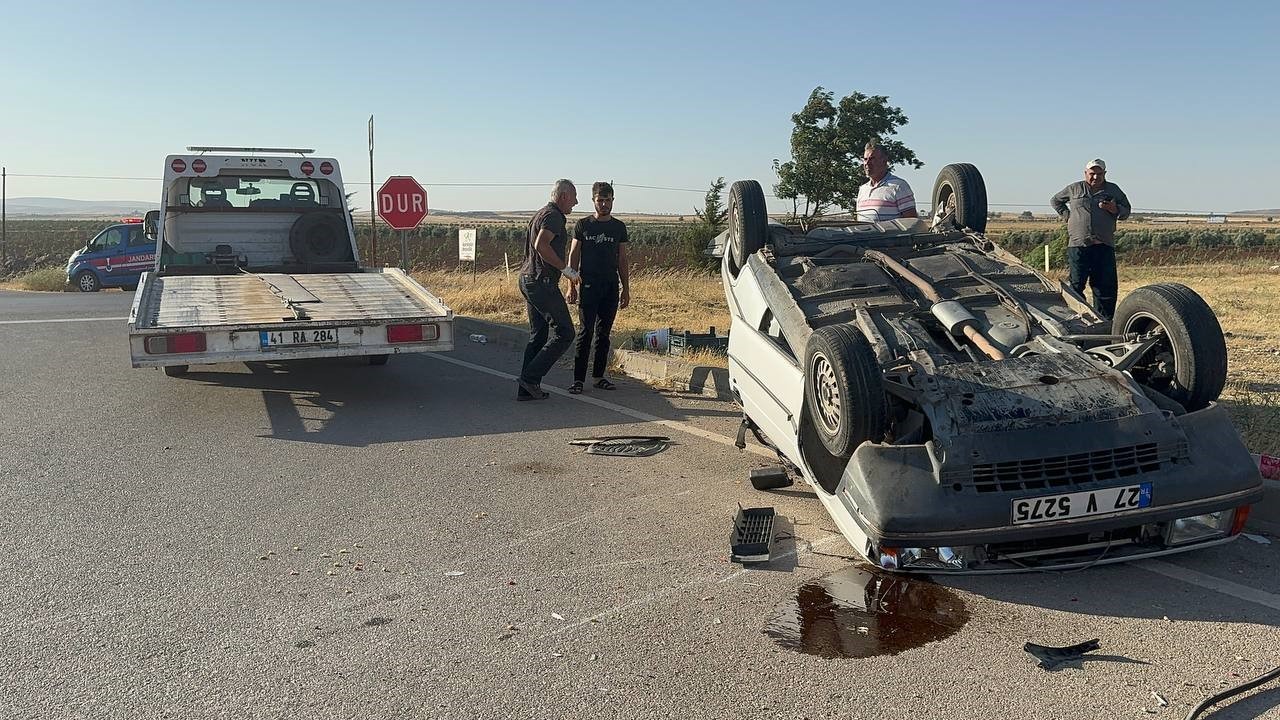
{"x": 1052, "y": 657}
{"x": 624, "y": 445}
{"x": 752, "y": 539}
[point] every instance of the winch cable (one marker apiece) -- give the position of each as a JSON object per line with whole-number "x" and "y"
{"x": 1230, "y": 692}
{"x": 975, "y": 335}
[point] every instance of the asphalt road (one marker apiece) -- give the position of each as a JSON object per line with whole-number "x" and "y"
{"x": 332, "y": 540}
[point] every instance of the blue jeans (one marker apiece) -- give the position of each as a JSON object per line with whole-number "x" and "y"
{"x": 1096, "y": 265}
{"x": 548, "y": 316}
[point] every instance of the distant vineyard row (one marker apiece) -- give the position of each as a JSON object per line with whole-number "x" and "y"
{"x": 42, "y": 243}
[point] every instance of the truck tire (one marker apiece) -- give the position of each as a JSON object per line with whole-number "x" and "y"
{"x": 960, "y": 187}
{"x": 175, "y": 370}
{"x": 1190, "y": 363}
{"x": 843, "y": 389}
{"x": 748, "y": 223}
{"x": 320, "y": 237}
{"x": 86, "y": 281}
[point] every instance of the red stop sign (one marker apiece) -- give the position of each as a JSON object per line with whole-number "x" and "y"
{"x": 402, "y": 202}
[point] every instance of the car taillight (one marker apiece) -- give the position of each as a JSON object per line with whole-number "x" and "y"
{"x": 180, "y": 343}
{"x": 412, "y": 333}
{"x": 1237, "y": 523}
{"x": 178, "y": 165}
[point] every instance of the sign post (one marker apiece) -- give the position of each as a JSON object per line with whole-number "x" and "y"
{"x": 467, "y": 248}
{"x": 402, "y": 204}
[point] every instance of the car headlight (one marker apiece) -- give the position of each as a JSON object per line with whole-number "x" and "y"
{"x": 924, "y": 558}
{"x": 1198, "y": 527}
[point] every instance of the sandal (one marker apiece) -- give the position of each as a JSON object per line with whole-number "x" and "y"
{"x": 575, "y": 388}
{"x": 604, "y": 384}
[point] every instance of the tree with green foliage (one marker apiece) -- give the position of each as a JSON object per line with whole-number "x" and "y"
{"x": 826, "y": 150}
{"x": 711, "y": 221}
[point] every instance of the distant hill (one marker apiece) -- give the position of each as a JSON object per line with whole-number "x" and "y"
{"x": 68, "y": 208}
{"x": 1268, "y": 213}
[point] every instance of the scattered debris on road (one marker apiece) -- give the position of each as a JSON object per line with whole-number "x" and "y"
{"x": 752, "y": 538}
{"x": 624, "y": 445}
{"x": 1052, "y": 657}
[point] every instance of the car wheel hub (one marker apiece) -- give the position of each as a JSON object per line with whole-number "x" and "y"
{"x": 827, "y": 393}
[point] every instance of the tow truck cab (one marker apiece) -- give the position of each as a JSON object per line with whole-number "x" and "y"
{"x": 115, "y": 257}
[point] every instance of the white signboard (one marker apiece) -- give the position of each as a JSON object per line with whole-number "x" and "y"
{"x": 467, "y": 244}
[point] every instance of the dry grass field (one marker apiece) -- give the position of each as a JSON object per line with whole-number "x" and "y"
{"x": 1246, "y": 298}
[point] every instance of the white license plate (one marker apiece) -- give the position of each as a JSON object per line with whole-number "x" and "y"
{"x": 308, "y": 336}
{"x": 1048, "y": 508}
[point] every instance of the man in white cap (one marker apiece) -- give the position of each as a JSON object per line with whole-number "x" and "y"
{"x": 1091, "y": 208}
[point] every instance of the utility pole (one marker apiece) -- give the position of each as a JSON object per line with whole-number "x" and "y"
{"x": 4, "y": 216}
{"x": 373, "y": 200}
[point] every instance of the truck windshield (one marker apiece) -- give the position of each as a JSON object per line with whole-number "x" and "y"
{"x": 266, "y": 193}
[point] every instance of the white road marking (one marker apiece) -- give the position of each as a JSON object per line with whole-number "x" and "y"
{"x": 61, "y": 320}
{"x": 638, "y": 415}
{"x": 1209, "y": 582}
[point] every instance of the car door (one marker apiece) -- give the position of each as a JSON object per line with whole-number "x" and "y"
{"x": 141, "y": 255}
{"x": 110, "y": 248}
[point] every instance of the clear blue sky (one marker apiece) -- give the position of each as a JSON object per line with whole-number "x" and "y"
{"x": 1182, "y": 99}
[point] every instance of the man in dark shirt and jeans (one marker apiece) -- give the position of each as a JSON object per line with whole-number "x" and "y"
{"x": 545, "y": 260}
{"x": 599, "y": 251}
{"x": 1091, "y": 208}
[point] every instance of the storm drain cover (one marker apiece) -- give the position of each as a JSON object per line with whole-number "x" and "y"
{"x": 625, "y": 445}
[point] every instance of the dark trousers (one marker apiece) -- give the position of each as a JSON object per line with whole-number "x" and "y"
{"x": 597, "y": 308}
{"x": 1096, "y": 265}
{"x": 548, "y": 316}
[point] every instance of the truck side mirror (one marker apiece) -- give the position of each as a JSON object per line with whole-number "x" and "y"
{"x": 149, "y": 222}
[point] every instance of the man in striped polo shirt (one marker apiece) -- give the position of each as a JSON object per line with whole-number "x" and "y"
{"x": 883, "y": 196}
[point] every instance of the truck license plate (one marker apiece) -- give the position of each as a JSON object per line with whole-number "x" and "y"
{"x": 1107, "y": 501}
{"x": 309, "y": 336}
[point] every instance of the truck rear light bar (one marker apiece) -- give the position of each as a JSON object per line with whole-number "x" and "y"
{"x": 179, "y": 343}
{"x": 412, "y": 333}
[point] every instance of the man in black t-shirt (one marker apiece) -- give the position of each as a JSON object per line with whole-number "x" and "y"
{"x": 545, "y": 260}
{"x": 599, "y": 252}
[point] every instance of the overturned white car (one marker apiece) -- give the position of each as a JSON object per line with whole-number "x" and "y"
{"x": 955, "y": 410}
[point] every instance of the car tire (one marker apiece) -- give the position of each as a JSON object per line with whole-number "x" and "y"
{"x": 319, "y": 237}
{"x": 960, "y": 185}
{"x": 1193, "y": 342}
{"x": 748, "y": 223}
{"x": 378, "y": 359}
{"x": 175, "y": 370}
{"x": 843, "y": 389}
{"x": 86, "y": 281}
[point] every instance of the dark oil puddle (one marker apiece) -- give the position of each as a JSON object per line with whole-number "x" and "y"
{"x": 857, "y": 613}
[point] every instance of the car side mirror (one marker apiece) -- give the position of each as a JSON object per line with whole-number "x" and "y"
{"x": 149, "y": 222}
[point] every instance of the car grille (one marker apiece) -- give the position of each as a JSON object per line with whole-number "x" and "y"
{"x": 1066, "y": 471}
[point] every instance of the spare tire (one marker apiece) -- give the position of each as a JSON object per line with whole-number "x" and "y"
{"x": 960, "y": 188}
{"x": 748, "y": 223}
{"x": 1189, "y": 364}
{"x": 843, "y": 389}
{"x": 320, "y": 237}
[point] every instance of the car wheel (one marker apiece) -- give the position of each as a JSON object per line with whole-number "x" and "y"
{"x": 748, "y": 223}
{"x": 175, "y": 370}
{"x": 960, "y": 188}
{"x": 378, "y": 359}
{"x": 86, "y": 281}
{"x": 1189, "y": 364}
{"x": 843, "y": 388}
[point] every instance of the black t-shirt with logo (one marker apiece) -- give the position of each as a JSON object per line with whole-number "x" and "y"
{"x": 599, "y": 240}
{"x": 552, "y": 220}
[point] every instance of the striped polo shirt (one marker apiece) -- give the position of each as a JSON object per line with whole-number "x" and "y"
{"x": 886, "y": 200}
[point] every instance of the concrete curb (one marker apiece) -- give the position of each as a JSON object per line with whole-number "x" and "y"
{"x": 713, "y": 382}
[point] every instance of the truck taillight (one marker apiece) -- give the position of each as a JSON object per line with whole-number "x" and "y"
{"x": 412, "y": 333}
{"x": 308, "y": 168}
{"x": 326, "y": 167}
{"x": 178, "y": 165}
{"x": 180, "y": 343}
{"x": 198, "y": 165}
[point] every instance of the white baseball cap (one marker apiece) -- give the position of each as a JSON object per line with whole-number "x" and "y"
{"x": 1096, "y": 162}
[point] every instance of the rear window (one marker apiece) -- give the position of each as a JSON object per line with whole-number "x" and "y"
{"x": 246, "y": 191}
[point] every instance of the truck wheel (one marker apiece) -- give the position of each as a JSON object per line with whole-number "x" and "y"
{"x": 378, "y": 359}
{"x": 843, "y": 389}
{"x": 175, "y": 370}
{"x": 748, "y": 223}
{"x": 319, "y": 237}
{"x": 1189, "y": 364}
{"x": 86, "y": 281}
{"x": 960, "y": 188}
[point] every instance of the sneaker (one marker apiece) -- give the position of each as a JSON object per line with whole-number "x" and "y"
{"x": 530, "y": 391}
